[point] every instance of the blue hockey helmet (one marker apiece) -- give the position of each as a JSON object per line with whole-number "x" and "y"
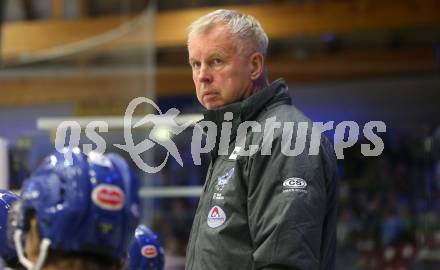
{"x": 83, "y": 203}
{"x": 146, "y": 252}
{"x": 7, "y": 199}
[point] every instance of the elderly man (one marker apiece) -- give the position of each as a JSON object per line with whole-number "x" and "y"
{"x": 269, "y": 209}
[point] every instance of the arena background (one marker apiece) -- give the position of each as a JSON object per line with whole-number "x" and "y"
{"x": 358, "y": 60}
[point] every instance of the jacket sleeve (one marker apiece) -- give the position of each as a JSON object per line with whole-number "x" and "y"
{"x": 286, "y": 209}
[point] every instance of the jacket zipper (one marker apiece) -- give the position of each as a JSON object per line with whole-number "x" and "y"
{"x": 207, "y": 183}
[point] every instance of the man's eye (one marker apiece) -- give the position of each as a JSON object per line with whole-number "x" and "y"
{"x": 217, "y": 61}
{"x": 195, "y": 65}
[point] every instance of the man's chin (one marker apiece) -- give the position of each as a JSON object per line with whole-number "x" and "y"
{"x": 213, "y": 105}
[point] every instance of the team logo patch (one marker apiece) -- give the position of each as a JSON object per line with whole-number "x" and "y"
{"x": 149, "y": 251}
{"x": 108, "y": 197}
{"x": 216, "y": 217}
{"x": 294, "y": 184}
{"x": 224, "y": 179}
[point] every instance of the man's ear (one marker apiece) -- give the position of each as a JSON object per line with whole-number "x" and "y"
{"x": 257, "y": 65}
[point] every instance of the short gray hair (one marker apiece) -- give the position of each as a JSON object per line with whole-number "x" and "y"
{"x": 243, "y": 26}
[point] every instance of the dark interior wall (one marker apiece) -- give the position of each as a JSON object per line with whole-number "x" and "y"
{"x": 22, "y": 121}
{"x": 402, "y": 103}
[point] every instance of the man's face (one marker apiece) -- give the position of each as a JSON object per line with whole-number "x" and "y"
{"x": 221, "y": 74}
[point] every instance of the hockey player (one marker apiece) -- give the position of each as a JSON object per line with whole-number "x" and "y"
{"x": 7, "y": 250}
{"x": 146, "y": 252}
{"x": 77, "y": 213}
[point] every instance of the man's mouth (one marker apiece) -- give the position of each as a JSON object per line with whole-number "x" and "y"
{"x": 209, "y": 95}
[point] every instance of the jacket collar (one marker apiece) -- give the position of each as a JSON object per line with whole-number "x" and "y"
{"x": 250, "y": 107}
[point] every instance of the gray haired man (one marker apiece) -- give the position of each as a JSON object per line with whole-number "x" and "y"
{"x": 260, "y": 211}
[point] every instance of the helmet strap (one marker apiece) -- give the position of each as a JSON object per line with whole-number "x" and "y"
{"x": 44, "y": 247}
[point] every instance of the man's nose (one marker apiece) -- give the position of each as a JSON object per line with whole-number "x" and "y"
{"x": 205, "y": 75}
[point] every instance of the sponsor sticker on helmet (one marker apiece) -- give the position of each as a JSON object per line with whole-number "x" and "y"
{"x": 149, "y": 251}
{"x": 216, "y": 217}
{"x": 108, "y": 197}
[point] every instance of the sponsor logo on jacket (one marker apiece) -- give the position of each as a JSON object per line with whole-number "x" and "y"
{"x": 216, "y": 217}
{"x": 294, "y": 184}
{"x": 218, "y": 196}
